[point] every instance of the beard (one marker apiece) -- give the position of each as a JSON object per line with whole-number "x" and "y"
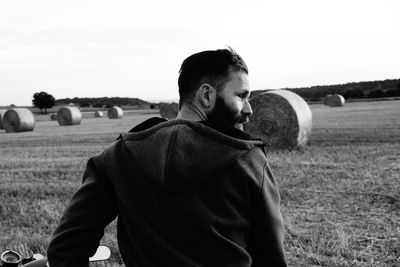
{"x": 227, "y": 116}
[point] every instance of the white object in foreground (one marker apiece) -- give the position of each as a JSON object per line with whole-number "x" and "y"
{"x": 101, "y": 254}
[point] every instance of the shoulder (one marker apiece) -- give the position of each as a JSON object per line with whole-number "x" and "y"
{"x": 253, "y": 159}
{"x": 190, "y": 130}
{"x": 111, "y": 150}
{"x": 254, "y": 165}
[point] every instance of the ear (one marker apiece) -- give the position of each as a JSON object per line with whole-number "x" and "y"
{"x": 207, "y": 94}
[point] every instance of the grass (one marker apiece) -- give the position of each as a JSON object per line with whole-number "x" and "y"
{"x": 341, "y": 205}
{"x": 340, "y": 194}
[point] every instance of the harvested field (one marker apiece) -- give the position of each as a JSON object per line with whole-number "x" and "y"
{"x": 340, "y": 193}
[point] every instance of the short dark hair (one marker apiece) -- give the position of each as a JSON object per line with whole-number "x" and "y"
{"x": 211, "y": 67}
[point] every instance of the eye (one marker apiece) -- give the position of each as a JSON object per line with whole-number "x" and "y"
{"x": 243, "y": 95}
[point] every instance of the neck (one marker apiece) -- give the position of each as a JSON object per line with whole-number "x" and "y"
{"x": 192, "y": 112}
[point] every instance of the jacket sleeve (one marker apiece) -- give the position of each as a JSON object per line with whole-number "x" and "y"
{"x": 266, "y": 235}
{"x": 81, "y": 227}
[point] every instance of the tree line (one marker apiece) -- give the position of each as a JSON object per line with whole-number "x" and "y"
{"x": 44, "y": 101}
{"x": 353, "y": 90}
{"x": 103, "y": 102}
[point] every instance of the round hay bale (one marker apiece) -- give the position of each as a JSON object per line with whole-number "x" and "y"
{"x": 282, "y": 119}
{"x": 256, "y": 93}
{"x": 18, "y": 120}
{"x": 334, "y": 100}
{"x": 98, "y": 114}
{"x": 2, "y": 112}
{"x": 115, "y": 113}
{"x": 53, "y": 116}
{"x": 69, "y": 116}
{"x": 162, "y": 107}
{"x": 325, "y": 99}
{"x": 171, "y": 111}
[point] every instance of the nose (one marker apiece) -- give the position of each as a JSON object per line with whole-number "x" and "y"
{"x": 247, "y": 111}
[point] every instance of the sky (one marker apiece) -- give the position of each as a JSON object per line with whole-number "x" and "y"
{"x": 97, "y": 48}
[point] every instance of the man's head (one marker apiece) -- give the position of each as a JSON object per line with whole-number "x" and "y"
{"x": 218, "y": 81}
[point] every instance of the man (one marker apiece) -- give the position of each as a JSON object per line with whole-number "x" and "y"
{"x": 195, "y": 191}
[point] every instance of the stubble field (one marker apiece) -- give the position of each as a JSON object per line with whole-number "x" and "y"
{"x": 340, "y": 194}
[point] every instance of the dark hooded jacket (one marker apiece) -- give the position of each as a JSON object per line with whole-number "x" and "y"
{"x": 185, "y": 194}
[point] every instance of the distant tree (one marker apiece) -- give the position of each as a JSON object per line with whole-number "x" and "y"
{"x": 109, "y": 105}
{"x": 43, "y": 101}
{"x": 84, "y": 104}
{"x": 98, "y": 105}
{"x": 354, "y": 93}
{"x": 393, "y": 92}
{"x": 376, "y": 94}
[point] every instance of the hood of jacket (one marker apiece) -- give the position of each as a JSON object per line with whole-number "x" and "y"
{"x": 178, "y": 155}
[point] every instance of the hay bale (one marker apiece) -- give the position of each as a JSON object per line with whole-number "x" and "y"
{"x": 69, "y": 116}
{"x": 2, "y": 112}
{"x": 98, "y": 114}
{"x": 162, "y": 107}
{"x": 282, "y": 119}
{"x": 115, "y": 113}
{"x": 334, "y": 100}
{"x": 325, "y": 99}
{"x": 18, "y": 120}
{"x": 171, "y": 111}
{"x": 53, "y": 116}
